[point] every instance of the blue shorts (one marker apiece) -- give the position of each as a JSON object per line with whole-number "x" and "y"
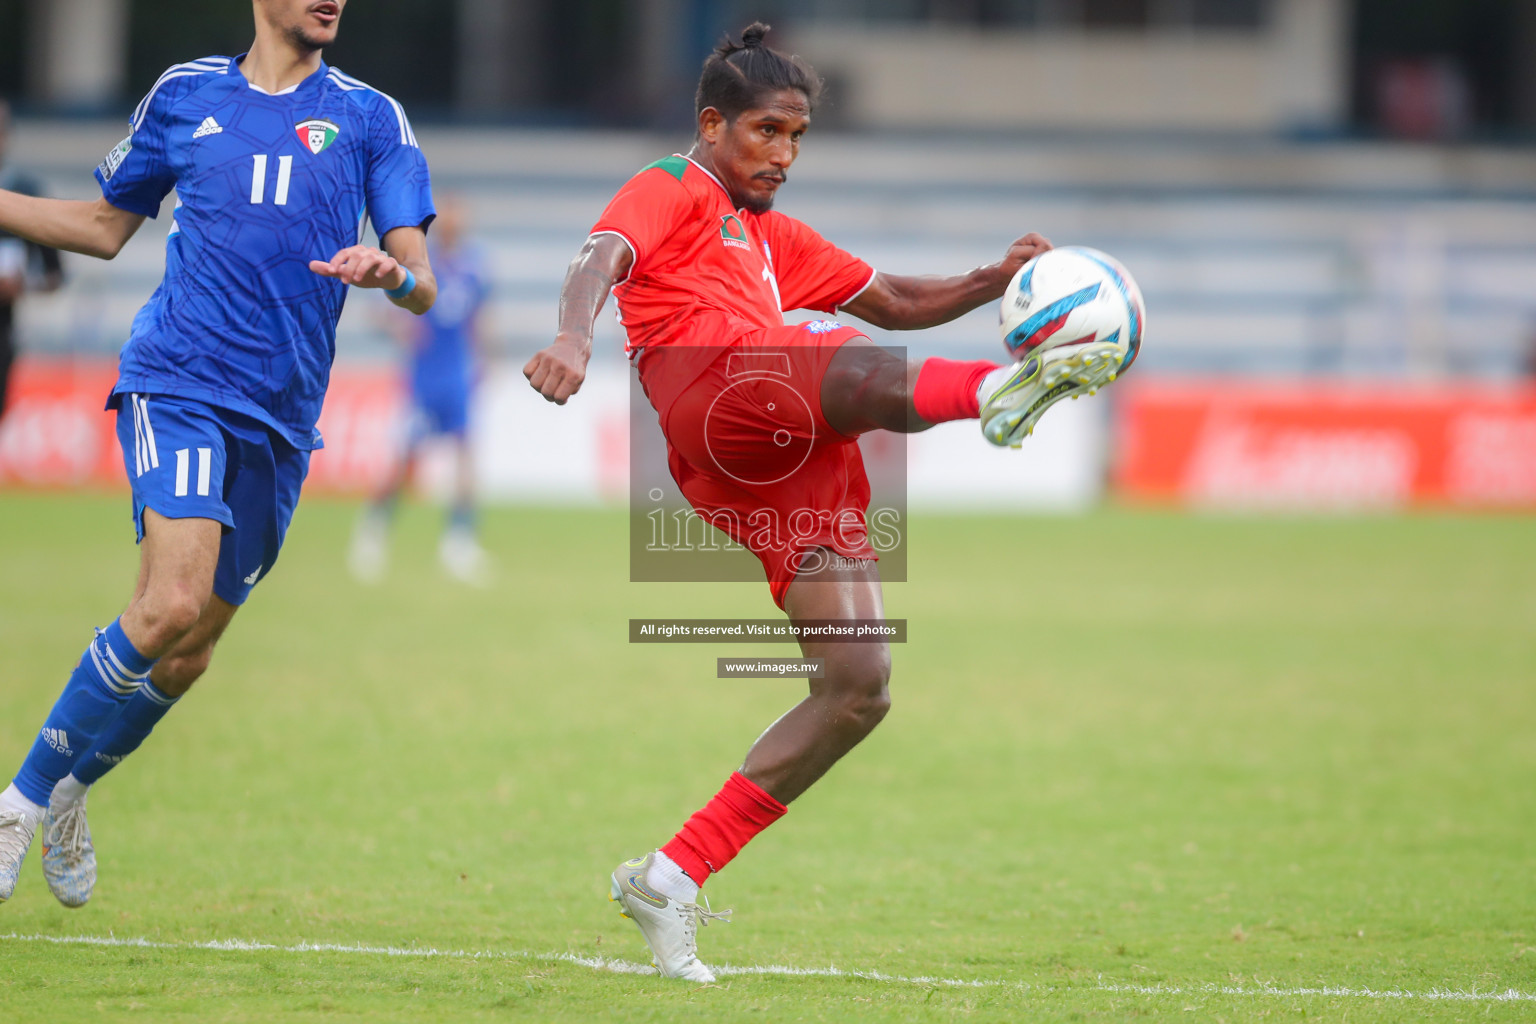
{"x": 189, "y": 460}
{"x": 439, "y": 411}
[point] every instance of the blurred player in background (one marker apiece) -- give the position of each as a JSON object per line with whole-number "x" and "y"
{"x": 24, "y": 266}
{"x": 274, "y": 157}
{"x": 442, "y": 374}
{"x": 702, "y": 270}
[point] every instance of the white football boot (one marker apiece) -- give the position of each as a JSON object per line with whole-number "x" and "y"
{"x": 464, "y": 559}
{"x": 670, "y": 926}
{"x": 1041, "y": 380}
{"x": 16, "y": 829}
{"x": 69, "y": 858}
{"x": 368, "y": 556}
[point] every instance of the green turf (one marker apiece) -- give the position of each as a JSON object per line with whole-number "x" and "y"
{"x": 1127, "y": 749}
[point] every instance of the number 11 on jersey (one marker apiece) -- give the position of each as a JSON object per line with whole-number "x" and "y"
{"x": 259, "y": 179}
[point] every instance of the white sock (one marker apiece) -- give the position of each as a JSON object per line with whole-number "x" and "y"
{"x": 13, "y": 800}
{"x": 670, "y": 880}
{"x": 70, "y": 790}
{"x": 991, "y": 382}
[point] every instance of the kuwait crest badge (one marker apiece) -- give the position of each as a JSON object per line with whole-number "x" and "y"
{"x": 317, "y": 133}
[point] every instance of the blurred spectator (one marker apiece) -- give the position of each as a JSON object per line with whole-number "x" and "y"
{"x": 441, "y": 375}
{"x": 24, "y": 267}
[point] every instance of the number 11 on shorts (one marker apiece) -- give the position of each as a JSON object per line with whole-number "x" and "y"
{"x": 204, "y": 469}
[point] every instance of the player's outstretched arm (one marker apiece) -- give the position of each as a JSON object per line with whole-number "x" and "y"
{"x": 89, "y": 227}
{"x": 402, "y": 262}
{"x": 897, "y": 303}
{"x": 556, "y": 372}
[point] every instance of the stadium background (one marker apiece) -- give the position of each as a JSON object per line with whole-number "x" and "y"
{"x": 1141, "y": 761}
{"x": 1328, "y": 202}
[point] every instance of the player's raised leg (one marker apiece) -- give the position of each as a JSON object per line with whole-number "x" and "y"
{"x": 867, "y": 387}
{"x": 661, "y": 891}
{"x": 176, "y": 567}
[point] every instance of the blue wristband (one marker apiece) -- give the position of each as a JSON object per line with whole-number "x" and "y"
{"x": 406, "y": 287}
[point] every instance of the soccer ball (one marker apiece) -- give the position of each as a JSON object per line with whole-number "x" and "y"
{"x": 1072, "y": 296}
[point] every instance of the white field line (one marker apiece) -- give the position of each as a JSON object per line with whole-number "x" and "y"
{"x": 601, "y": 963}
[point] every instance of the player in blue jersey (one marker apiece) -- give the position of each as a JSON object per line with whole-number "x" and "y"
{"x": 276, "y": 160}
{"x": 441, "y": 377}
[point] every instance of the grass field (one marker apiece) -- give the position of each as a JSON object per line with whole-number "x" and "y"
{"x": 1139, "y": 765}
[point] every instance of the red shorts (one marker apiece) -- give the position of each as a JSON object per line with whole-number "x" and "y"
{"x": 749, "y": 447}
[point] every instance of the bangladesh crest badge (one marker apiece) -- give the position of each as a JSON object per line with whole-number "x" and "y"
{"x": 317, "y": 133}
{"x": 733, "y": 233}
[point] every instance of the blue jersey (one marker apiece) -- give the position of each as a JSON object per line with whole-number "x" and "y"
{"x": 264, "y": 184}
{"x": 443, "y": 362}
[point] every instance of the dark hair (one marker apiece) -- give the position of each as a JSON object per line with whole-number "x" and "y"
{"x": 737, "y": 76}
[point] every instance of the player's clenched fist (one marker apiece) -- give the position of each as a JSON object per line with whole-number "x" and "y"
{"x": 556, "y": 372}
{"x": 362, "y": 266}
{"x": 1023, "y": 250}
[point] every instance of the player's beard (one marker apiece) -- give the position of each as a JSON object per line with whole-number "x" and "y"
{"x": 302, "y": 40}
{"x": 757, "y": 204}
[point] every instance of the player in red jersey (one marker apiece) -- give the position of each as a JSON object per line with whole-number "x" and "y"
{"x": 702, "y": 269}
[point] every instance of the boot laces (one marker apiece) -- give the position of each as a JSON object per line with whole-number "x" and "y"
{"x": 68, "y": 833}
{"x": 696, "y": 917}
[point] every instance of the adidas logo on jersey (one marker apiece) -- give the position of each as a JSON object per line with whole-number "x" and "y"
{"x": 208, "y": 127}
{"x": 58, "y": 739}
{"x": 253, "y": 577}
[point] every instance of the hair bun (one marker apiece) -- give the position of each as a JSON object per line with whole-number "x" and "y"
{"x": 752, "y": 36}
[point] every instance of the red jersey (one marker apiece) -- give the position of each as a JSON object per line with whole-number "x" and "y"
{"x": 705, "y": 272}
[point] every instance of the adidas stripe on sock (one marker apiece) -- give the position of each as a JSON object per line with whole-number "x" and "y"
{"x": 110, "y": 671}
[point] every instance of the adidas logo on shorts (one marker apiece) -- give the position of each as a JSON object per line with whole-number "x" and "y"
{"x": 208, "y": 127}
{"x": 58, "y": 739}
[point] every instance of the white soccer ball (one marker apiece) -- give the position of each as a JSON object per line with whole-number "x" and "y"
{"x": 1072, "y": 296}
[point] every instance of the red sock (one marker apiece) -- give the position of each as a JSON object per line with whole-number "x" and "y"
{"x": 946, "y": 389}
{"x": 717, "y": 833}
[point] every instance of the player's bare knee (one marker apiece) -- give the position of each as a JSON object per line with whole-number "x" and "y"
{"x": 862, "y": 692}
{"x": 169, "y": 613}
{"x": 859, "y": 711}
{"x": 846, "y": 376}
{"x": 179, "y": 611}
{"x": 864, "y": 388}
